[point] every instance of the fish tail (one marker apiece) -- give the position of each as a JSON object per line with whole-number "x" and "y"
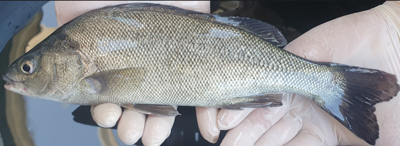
{"x": 362, "y": 89}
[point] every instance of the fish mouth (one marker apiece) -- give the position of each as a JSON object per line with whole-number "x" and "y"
{"x": 8, "y": 82}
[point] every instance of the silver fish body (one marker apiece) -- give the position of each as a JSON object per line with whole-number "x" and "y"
{"x": 187, "y": 61}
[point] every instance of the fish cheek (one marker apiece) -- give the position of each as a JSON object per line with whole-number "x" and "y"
{"x": 35, "y": 87}
{"x": 40, "y": 82}
{"x": 55, "y": 76}
{"x": 66, "y": 73}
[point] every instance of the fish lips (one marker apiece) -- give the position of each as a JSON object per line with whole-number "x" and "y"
{"x": 8, "y": 82}
{"x": 12, "y": 85}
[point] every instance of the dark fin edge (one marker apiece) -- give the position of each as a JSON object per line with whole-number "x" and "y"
{"x": 258, "y": 101}
{"x": 261, "y": 29}
{"x": 363, "y": 88}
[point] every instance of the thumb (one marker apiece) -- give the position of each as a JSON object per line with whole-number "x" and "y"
{"x": 341, "y": 39}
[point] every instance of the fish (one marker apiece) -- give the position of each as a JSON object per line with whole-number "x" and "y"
{"x": 152, "y": 57}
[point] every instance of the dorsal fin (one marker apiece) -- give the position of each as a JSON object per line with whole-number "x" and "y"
{"x": 261, "y": 29}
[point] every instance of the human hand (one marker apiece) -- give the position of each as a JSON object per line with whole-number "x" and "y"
{"x": 131, "y": 124}
{"x": 366, "y": 39}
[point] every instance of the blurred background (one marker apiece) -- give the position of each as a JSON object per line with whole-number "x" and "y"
{"x": 29, "y": 121}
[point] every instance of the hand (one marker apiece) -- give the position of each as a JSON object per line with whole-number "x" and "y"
{"x": 366, "y": 39}
{"x": 132, "y": 125}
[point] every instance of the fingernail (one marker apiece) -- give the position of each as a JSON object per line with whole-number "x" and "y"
{"x": 107, "y": 119}
{"x": 155, "y": 141}
{"x": 107, "y": 122}
{"x": 223, "y": 125}
{"x": 154, "y": 144}
{"x": 214, "y": 134}
{"x": 101, "y": 125}
{"x": 226, "y": 119}
{"x": 214, "y": 139}
{"x": 132, "y": 137}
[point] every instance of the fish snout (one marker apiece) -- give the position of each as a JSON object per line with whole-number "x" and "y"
{"x": 8, "y": 82}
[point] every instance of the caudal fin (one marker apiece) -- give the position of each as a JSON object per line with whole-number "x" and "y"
{"x": 363, "y": 88}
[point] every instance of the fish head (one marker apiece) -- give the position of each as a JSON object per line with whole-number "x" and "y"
{"x": 50, "y": 70}
{"x": 23, "y": 74}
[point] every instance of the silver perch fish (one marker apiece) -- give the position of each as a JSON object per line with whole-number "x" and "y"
{"x": 147, "y": 57}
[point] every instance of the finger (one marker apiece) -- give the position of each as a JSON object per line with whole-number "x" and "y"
{"x": 200, "y": 6}
{"x": 349, "y": 138}
{"x": 157, "y": 129}
{"x": 207, "y": 122}
{"x": 249, "y": 131}
{"x": 281, "y": 132}
{"x": 228, "y": 119}
{"x": 130, "y": 127}
{"x": 305, "y": 138}
{"x": 106, "y": 114}
{"x": 345, "y": 136}
{"x": 66, "y": 11}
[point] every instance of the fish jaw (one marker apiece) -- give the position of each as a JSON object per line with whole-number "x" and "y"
{"x": 8, "y": 82}
{"x": 14, "y": 86}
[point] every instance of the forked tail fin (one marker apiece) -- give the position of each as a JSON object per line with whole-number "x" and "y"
{"x": 362, "y": 88}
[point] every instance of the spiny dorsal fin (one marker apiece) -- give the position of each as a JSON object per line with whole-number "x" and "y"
{"x": 261, "y": 29}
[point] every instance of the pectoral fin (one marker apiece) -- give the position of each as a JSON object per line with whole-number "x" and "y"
{"x": 151, "y": 109}
{"x": 97, "y": 84}
{"x": 116, "y": 81}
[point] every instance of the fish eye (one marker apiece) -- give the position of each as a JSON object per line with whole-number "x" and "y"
{"x": 27, "y": 67}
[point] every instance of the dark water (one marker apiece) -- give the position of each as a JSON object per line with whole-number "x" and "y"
{"x": 13, "y": 126}
{"x": 28, "y": 121}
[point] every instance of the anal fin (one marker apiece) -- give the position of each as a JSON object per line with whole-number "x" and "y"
{"x": 152, "y": 109}
{"x": 256, "y": 101}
